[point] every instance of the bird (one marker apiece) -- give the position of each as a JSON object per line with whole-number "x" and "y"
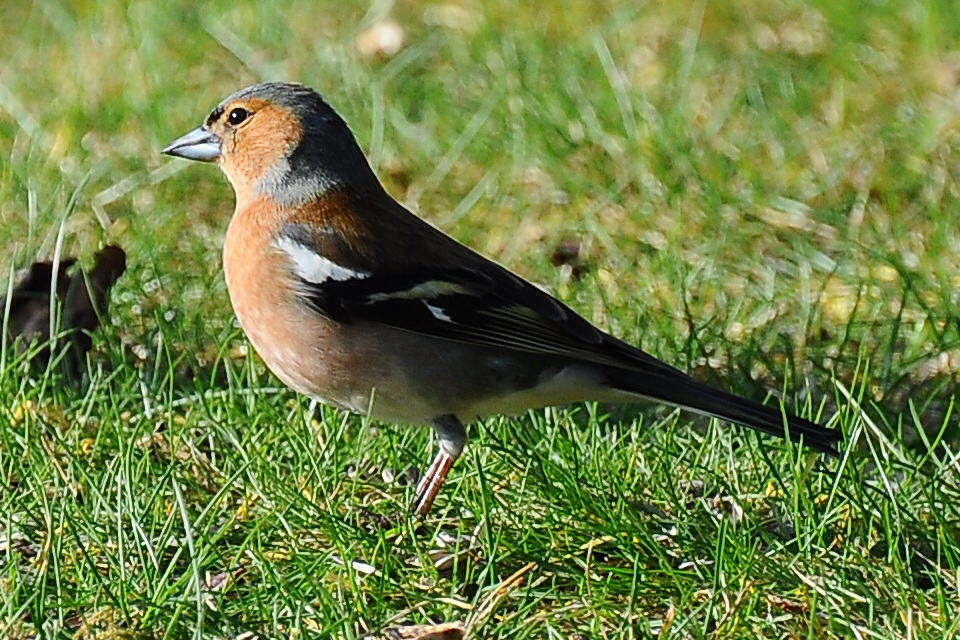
{"x": 353, "y": 300}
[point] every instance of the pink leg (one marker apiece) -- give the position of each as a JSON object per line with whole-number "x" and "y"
{"x": 452, "y": 435}
{"x": 431, "y": 482}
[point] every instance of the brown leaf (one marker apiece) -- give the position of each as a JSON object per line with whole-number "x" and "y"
{"x": 81, "y": 299}
{"x": 383, "y": 40}
{"x": 445, "y": 631}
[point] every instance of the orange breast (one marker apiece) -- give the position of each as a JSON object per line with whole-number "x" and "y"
{"x": 282, "y": 331}
{"x": 310, "y": 353}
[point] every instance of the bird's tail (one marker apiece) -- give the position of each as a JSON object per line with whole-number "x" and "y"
{"x": 677, "y": 388}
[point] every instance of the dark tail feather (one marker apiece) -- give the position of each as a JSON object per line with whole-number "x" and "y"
{"x": 679, "y": 389}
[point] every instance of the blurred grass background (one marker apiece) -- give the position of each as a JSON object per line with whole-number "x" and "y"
{"x": 764, "y": 193}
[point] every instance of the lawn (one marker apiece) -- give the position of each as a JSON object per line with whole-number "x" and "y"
{"x": 763, "y": 193}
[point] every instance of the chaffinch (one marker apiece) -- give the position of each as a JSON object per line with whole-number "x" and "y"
{"x": 352, "y": 300}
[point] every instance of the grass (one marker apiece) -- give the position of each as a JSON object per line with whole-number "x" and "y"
{"x": 764, "y": 193}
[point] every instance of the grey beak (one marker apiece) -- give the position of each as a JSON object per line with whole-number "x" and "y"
{"x": 199, "y": 144}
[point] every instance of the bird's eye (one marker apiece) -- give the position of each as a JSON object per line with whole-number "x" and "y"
{"x": 237, "y": 116}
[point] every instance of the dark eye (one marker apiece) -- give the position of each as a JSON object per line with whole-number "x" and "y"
{"x": 237, "y": 116}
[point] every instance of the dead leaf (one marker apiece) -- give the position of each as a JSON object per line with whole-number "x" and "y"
{"x": 81, "y": 300}
{"x": 383, "y": 40}
{"x": 445, "y": 631}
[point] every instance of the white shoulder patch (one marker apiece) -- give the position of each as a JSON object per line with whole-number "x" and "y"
{"x": 313, "y": 267}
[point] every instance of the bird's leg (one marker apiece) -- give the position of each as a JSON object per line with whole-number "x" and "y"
{"x": 452, "y": 436}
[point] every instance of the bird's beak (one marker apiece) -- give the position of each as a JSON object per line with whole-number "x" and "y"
{"x": 199, "y": 144}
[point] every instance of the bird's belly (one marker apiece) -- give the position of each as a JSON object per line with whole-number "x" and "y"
{"x": 554, "y": 386}
{"x": 401, "y": 377}
{"x": 389, "y": 374}
{"x": 346, "y": 370}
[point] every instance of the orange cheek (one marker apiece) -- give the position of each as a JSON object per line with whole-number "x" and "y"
{"x": 250, "y": 151}
{"x": 244, "y": 164}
